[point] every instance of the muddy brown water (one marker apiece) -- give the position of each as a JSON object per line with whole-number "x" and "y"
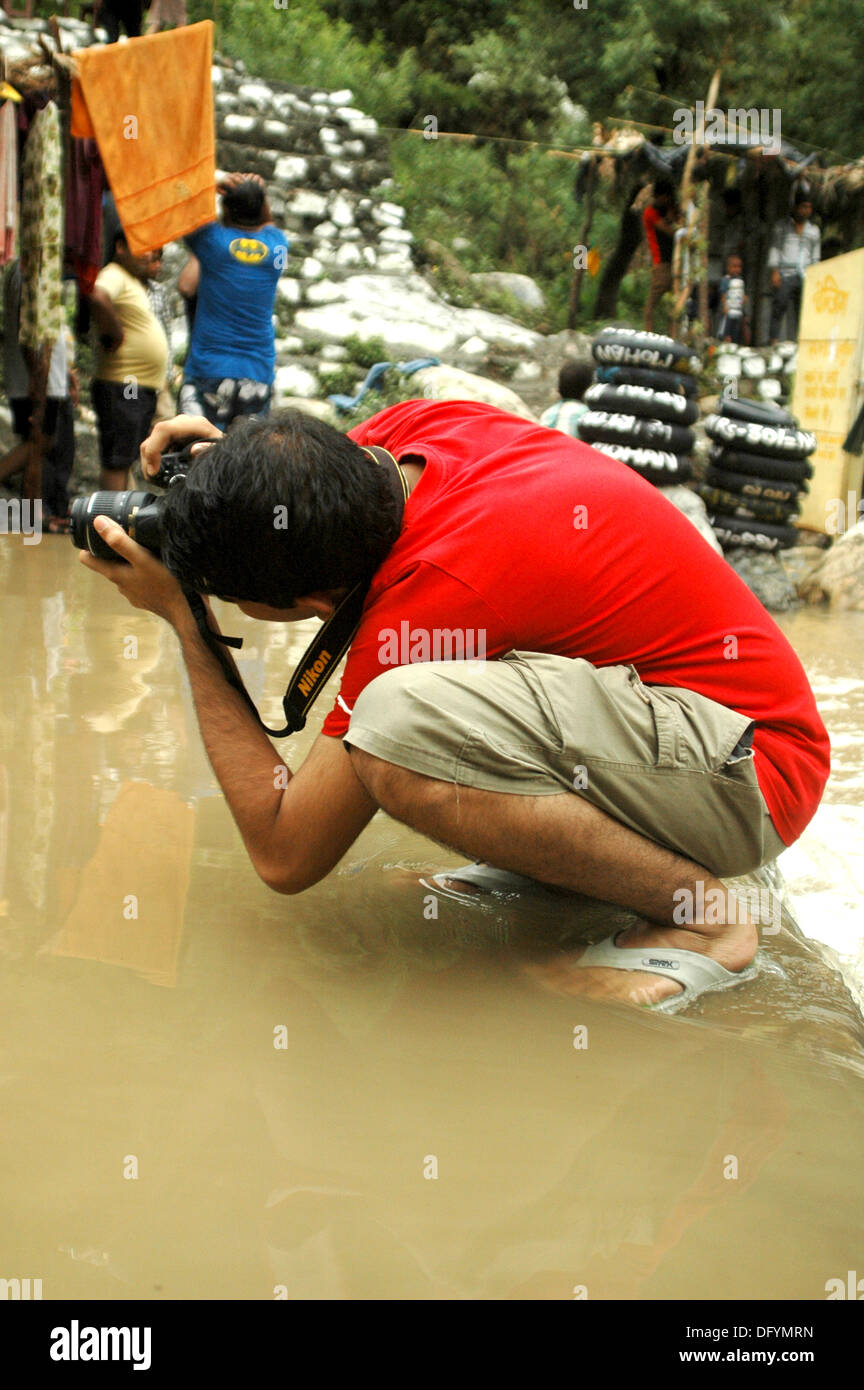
{"x": 211, "y": 1091}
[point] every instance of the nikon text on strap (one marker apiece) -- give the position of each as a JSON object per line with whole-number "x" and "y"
{"x": 330, "y": 642}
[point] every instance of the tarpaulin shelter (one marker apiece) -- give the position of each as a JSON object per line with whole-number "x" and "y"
{"x": 765, "y": 179}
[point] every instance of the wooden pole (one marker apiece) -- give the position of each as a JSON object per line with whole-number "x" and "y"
{"x": 32, "y": 486}
{"x": 680, "y": 292}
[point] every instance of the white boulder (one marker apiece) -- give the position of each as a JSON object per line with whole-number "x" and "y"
{"x": 520, "y": 287}
{"x": 410, "y": 317}
{"x": 452, "y": 384}
{"x": 305, "y": 203}
{"x": 291, "y": 168}
{"x": 289, "y": 289}
{"x": 294, "y": 380}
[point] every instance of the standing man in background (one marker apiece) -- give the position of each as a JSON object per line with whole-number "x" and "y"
{"x": 659, "y": 221}
{"x": 795, "y": 244}
{"x": 111, "y": 14}
{"x": 132, "y": 362}
{"x": 232, "y": 354}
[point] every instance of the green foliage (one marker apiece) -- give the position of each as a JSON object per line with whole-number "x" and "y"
{"x": 366, "y": 351}
{"x": 518, "y": 95}
{"x": 342, "y": 382}
{"x": 395, "y": 389}
{"x": 303, "y": 44}
{"x": 524, "y": 220}
{"x": 426, "y": 25}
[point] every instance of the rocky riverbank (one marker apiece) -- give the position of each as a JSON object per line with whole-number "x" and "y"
{"x": 357, "y": 289}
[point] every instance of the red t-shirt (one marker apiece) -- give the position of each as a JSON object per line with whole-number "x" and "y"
{"x": 660, "y": 243}
{"x": 492, "y": 542}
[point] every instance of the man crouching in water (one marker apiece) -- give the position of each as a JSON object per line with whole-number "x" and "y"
{"x": 608, "y": 745}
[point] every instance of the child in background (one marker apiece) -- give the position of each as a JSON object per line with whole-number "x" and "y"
{"x": 733, "y": 327}
{"x": 573, "y": 381}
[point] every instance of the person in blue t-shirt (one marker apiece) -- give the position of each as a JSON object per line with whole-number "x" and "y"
{"x": 229, "y": 369}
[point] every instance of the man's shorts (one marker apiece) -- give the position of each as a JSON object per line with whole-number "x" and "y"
{"x": 731, "y": 328}
{"x": 672, "y": 765}
{"x": 223, "y": 399}
{"x": 124, "y": 421}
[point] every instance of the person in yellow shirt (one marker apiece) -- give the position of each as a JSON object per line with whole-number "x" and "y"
{"x": 132, "y": 360}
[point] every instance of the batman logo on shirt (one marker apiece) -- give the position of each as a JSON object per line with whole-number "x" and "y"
{"x": 248, "y": 249}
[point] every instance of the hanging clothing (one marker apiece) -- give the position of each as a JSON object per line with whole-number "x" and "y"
{"x": 85, "y": 184}
{"x": 159, "y": 157}
{"x": 8, "y": 182}
{"x": 41, "y": 232}
{"x": 16, "y": 373}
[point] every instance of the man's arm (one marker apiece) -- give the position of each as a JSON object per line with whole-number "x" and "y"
{"x": 294, "y": 833}
{"x": 107, "y": 320}
{"x": 666, "y": 224}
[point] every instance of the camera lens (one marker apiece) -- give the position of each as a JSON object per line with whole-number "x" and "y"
{"x": 134, "y": 511}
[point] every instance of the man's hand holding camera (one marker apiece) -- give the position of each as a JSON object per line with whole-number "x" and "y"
{"x": 144, "y": 580}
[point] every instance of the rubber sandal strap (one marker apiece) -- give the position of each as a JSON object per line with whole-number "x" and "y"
{"x": 694, "y": 972}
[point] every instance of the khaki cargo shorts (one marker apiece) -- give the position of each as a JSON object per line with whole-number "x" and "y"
{"x": 672, "y": 765}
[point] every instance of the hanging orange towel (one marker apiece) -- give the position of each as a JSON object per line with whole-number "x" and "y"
{"x": 149, "y": 105}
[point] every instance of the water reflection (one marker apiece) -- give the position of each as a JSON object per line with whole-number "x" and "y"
{"x": 212, "y": 1091}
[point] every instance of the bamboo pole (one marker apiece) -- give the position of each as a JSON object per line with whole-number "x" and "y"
{"x": 698, "y": 142}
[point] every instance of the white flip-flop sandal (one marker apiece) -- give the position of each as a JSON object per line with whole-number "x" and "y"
{"x": 697, "y": 974}
{"x": 487, "y": 880}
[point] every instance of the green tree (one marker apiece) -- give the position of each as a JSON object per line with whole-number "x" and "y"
{"x": 518, "y": 100}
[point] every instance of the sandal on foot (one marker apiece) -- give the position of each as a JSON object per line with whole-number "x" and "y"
{"x": 485, "y": 880}
{"x": 697, "y": 974}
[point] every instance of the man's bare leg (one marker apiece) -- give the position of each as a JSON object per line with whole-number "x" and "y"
{"x": 114, "y": 479}
{"x": 14, "y": 461}
{"x": 565, "y": 841}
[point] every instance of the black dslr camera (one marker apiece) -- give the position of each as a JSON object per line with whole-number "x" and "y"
{"x": 139, "y": 513}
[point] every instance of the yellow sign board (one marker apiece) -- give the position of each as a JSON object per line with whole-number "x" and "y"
{"x": 828, "y": 386}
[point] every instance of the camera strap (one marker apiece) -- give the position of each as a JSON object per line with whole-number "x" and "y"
{"x": 330, "y": 642}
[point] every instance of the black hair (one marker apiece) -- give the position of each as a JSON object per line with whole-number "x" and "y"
{"x": 243, "y": 203}
{"x": 574, "y": 380}
{"x": 281, "y": 507}
{"x": 663, "y": 188}
{"x": 801, "y": 197}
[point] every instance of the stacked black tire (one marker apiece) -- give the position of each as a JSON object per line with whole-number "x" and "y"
{"x": 643, "y": 402}
{"x": 757, "y": 474}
